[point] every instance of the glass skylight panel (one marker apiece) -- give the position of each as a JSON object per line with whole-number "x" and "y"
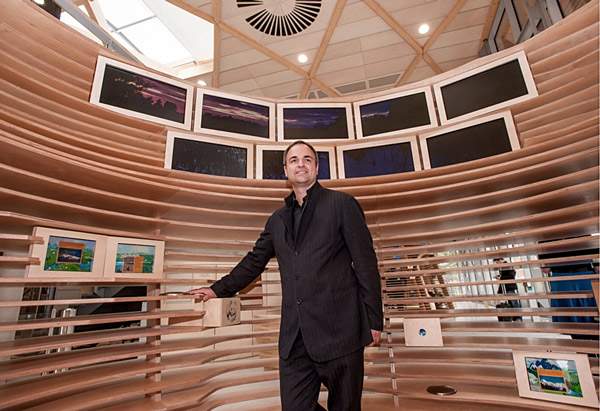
{"x": 154, "y": 40}
{"x": 69, "y": 20}
{"x": 120, "y": 13}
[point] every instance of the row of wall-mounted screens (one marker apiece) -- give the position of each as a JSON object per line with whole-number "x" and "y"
{"x": 482, "y": 137}
{"x": 129, "y": 90}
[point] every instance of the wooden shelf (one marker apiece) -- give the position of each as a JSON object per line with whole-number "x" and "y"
{"x": 20, "y": 238}
{"x": 513, "y": 327}
{"x": 37, "y": 344}
{"x": 495, "y": 312}
{"x": 516, "y": 264}
{"x": 101, "y": 300}
{"x": 515, "y": 343}
{"x": 97, "y": 319}
{"x": 493, "y": 297}
{"x": 7, "y": 259}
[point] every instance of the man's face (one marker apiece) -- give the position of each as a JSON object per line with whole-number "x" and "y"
{"x": 301, "y": 166}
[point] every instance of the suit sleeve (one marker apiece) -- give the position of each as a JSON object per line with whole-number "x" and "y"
{"x": 251, "y": 266}
{"x": 360, "y": 244}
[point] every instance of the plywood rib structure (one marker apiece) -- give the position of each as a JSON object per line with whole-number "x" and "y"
{"x": 68, "y": 164}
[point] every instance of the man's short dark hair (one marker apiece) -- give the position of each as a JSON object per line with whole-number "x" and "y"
{"x": 295, "y": 143}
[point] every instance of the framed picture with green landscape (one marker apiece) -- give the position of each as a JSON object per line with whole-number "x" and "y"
{"x": 63, "y": 253}
{"x": 134, "y": 258}
{"x": 553, "y": 376}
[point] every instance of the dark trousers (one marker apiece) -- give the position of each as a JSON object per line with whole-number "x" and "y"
{"x": 300, "y": 380}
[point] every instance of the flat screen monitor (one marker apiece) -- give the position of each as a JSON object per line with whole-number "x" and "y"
{"x": 472, "y": 140}
{"x": 318, "y": 122}
{"x": 142, "y": 94}
{"x": 400, "y": 155}
{"x": 498, "y": 84}
{"x": 205, "y": 155}
{"x": 229, "y": 115}
{"x": 403, "y": 112}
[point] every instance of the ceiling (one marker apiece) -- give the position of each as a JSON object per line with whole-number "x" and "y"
{"x": 353, "y": 46}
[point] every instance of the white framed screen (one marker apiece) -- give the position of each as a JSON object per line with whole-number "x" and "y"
{"x": 470, "y": 140}
{"x": 208, "y": 155}
{"x": 490, "y": 87}
{"x": 402, "y": 112}
{"x": 314, "y": 122}
{"x": 373, "y": 158}
{"x": 230, "y": 115}
{"x": 139, "y": 93}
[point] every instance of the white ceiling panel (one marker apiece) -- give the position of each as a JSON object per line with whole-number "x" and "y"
{"x": 341, "y": 63}
{"x": 396, "y": 65}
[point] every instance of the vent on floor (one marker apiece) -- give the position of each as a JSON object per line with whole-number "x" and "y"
{"x": 282, "y": 18}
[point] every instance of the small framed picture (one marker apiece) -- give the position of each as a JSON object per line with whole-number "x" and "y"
{"x": 134, "y": 257}
{"x": 71, "y": 254}
{"x": 423, "y": 332}
{"x": 318, "y": 122}
{"x": 228, "y": 115}
{"x": 552, "y": 376}
{"x": 142, "y": 94}
{"x": 269, "y": 162}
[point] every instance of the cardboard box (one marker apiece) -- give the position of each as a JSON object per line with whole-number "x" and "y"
{"x": 221, "y": 312}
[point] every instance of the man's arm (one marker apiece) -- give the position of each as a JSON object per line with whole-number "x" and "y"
{"x": 360, "y": 244}
{"x": 251, "y": 266}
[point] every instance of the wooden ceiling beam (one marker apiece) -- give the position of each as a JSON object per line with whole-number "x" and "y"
{"x": 90, "y": 11}
{"x": 333, "y": 21}
{"x": 487, "y": 26}
{"x": 444, "y": 24}
{"x": 408, "y": 71}
{"x": 394, "y": 25}
{"x": 216, "y": 11}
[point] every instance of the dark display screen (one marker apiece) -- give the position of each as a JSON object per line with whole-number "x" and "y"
{"x": 209, "y": 158}
{"x": 395, "y": 114}
{"x": 470, "y": 143}
{"x": 378, "y": 160}
{"x": 485, "y": 89}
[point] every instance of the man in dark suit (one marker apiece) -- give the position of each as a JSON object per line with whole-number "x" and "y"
{"x": 331, "y": 295}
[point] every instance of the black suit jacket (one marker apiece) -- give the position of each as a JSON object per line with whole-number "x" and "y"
{"x": 331, "y": 288}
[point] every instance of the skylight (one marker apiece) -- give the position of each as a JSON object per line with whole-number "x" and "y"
{"x": 158, "y": 30}
{"x": 154, "y": 40}
{"x": 121, "y": 13}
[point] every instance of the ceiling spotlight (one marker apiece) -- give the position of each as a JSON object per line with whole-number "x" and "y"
{"x": 423, "y": 28}
{"x": 201, "y": 83}
{"x": 302, "y": 58}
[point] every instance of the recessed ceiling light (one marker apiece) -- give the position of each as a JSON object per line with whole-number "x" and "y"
{"x": 201, "y": 83}
{"x": 423, "y": 28}
{"x": 302, "y": 58}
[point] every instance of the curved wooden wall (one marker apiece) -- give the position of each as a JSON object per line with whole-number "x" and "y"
{"x": 65, "y": 163}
